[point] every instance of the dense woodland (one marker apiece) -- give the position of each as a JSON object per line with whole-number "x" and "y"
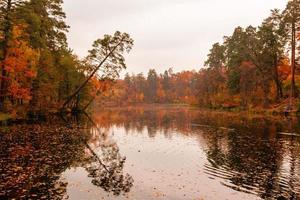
{"x": 39, "y": 73}
{"x": 255, "y": 67}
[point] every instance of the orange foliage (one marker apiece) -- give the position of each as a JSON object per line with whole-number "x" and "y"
{"x": 20, "y": 64}
{"x": 101, "y": 89}
{"x": 284, "y": 71}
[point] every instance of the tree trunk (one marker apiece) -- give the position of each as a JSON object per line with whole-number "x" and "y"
{"x": 89, "y": 103}
{"x": 293, "y": 61}
{"x": 279, "y": 91}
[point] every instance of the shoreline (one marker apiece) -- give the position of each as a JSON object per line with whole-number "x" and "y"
{"x": 270, "y": 112}
{"x": 5, "y": 117}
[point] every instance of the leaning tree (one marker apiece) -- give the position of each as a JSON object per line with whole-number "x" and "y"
{"x": 106, "y": 60}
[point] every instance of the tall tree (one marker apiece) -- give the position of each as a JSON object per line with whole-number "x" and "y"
{"x": 291, "y": 16}
{"x": 166, "y": 81}
{"x": 235, "y": 54}
{"x": 107, "y": 58}
{"x": 152, "y": 80}
{"x": 259, "y": 53}
{"x": 47, "y": 30}
{"x": 47, "y": 27}
{"x": 272, "y": 38}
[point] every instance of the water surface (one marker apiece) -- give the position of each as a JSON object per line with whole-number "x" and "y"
{"x": 153, "y": 153}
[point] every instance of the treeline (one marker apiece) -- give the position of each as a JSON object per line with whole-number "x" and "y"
{"x": 38, "y": 71}
{"x": 254, "y": 67}
{"x": 168, "y": 87}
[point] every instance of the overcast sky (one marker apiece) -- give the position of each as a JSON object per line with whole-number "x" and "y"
{"x": 167, "y": 33}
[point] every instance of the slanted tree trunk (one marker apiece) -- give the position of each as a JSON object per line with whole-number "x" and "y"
{"x": 89, "y": 103}
{"x": 69, "y": 99}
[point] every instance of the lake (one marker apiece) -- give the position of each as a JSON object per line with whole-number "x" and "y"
{"x": 153, "y": 152}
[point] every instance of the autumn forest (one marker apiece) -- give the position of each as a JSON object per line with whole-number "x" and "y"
{"x": 110, "y": 121}
{"x": 255, "y": 67}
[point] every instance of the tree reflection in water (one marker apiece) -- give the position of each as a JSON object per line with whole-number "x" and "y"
{"x": 245, "y": 153}
{"x": 34, "y": 157}
{"x": 106, "y": 169}
{"x": 247, "y": 164}
{"x": 109, "y": 176}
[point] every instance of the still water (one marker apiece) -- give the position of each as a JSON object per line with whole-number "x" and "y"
{"x": 143, "y": 153}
